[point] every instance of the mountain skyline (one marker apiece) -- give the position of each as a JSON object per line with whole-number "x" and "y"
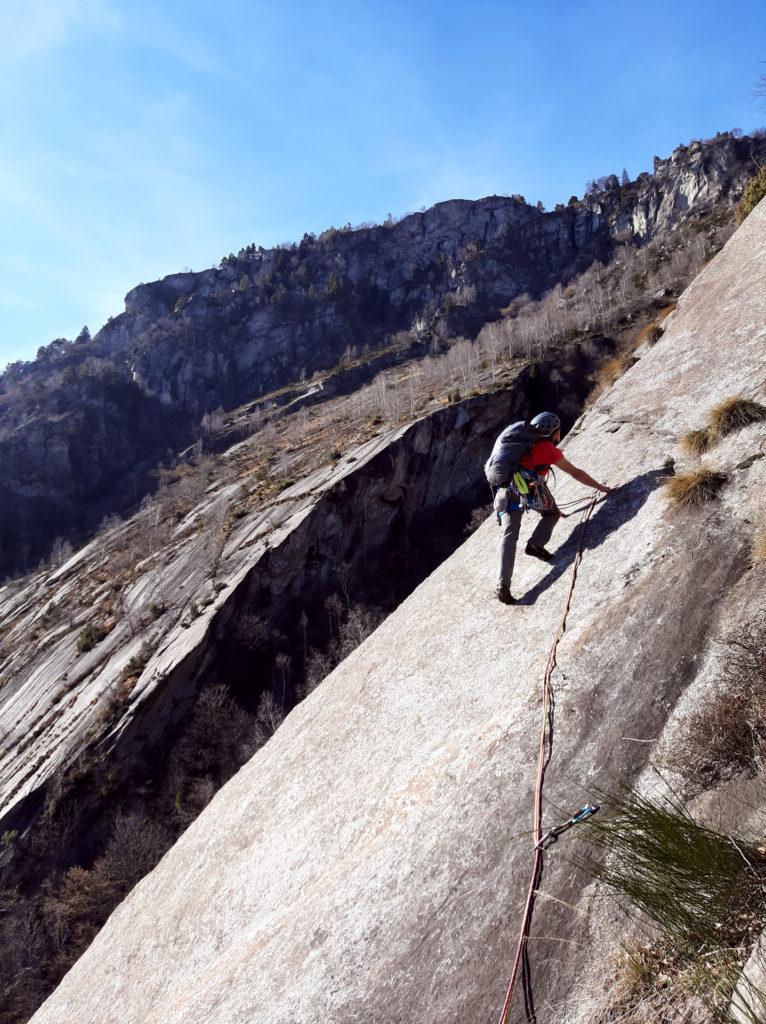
{"x": 138, "y": 143}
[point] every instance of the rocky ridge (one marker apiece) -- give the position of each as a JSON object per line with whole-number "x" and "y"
{"x": 371, "y": 840}
{"x": 371, "y": 282}
{"x": 82, "y": 427}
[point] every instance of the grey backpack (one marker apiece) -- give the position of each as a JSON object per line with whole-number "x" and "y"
{"x": 511, "y": 446}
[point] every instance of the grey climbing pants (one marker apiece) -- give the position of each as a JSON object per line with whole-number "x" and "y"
{"x": 509, "y": 536}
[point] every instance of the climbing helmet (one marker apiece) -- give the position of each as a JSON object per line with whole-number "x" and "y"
{"x": 547, "y": 423}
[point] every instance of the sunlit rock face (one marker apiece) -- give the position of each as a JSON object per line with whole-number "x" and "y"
{"x": 371, "y": 860}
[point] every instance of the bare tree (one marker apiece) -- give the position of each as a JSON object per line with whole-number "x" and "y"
{"x": 217, "y": 534}
{"x": 212, "y": 422}
{"x": 282, "y": 665}
{"x": 61, "y": 551}
{"x": 270, "y": 715}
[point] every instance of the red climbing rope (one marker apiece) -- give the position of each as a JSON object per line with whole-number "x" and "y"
{"x": 541, "y": 764}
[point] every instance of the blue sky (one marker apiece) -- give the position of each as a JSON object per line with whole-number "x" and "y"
{"x": 140, "y": 138}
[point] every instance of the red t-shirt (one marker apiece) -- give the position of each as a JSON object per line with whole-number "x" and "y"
{"x": 542, "y": 453}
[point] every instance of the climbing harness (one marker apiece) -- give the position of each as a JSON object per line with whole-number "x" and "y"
{"x": 532, "y": 491}
{"x": 544, "y": 753}
{"x": 529, "y": 491}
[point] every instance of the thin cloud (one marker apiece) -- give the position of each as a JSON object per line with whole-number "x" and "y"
{"x": 39, "y": 26}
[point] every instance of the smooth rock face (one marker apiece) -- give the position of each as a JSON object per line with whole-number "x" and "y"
{"x": 748, "y": 1004}
{"x": 54, "y": 698}
{"x": 370, "y": 861}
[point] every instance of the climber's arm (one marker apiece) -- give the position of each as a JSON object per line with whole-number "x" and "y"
{"x": 581, "y": 476}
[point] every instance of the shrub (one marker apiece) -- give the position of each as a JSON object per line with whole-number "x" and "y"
{"x": 692, "y": 882}
{"x": 138, "y": 662}
{"x": 696, "y": 442}
{"x": 695, "y": 488}
{"x": 86, "y": 895}
{"x": 90, "y": 636}
{"x": 703, "y": 892}
{"x": 733, "y": 414}
{"x": 220, "y": 738}
{"x": 479, "y": 516}
{"x": 359, "y": 622}
{"x": 754, "y": 192}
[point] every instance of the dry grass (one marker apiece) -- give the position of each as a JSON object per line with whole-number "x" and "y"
{"x": 696, "y": 442}
{"x": 666, "y": 311}
{"x": 758, "y": 545}
{"x": 726, "y": 734}
{"x": 697, "y": 487}
{"x": 647, "y": 985}
{"x": 651, "y": 333}
{"x": 612, "y": 369}
{"x": 728, "y": 416}
{"x": 733, "y": 414}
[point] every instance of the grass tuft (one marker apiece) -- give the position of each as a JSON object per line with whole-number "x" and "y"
{"x": 90, "y": 636}
{"x": 696, "y": 442}
{"x": 758, "y": 545}
{"x": 725, "y": 418}
{"x": 733, "y": 414}
{"x": 613, "y": 368}
{"x": 697, "y": 487}
{"x": 702, "y": 890}
{"x": 649, "y": 334}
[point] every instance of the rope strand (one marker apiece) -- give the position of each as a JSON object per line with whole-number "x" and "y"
{"x": 542, "y": 763}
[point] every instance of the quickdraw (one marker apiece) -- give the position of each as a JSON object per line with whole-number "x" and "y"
{"x": 582, "y": 815}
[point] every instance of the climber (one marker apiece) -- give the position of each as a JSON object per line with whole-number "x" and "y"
{"x": 530, "y": 445}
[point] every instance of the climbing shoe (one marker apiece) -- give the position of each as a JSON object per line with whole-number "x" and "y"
{"x": 536, "y": 552}
{"x": 503, "y": 593}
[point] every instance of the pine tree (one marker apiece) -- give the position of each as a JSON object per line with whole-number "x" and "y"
{"x": 624, "y": 177}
